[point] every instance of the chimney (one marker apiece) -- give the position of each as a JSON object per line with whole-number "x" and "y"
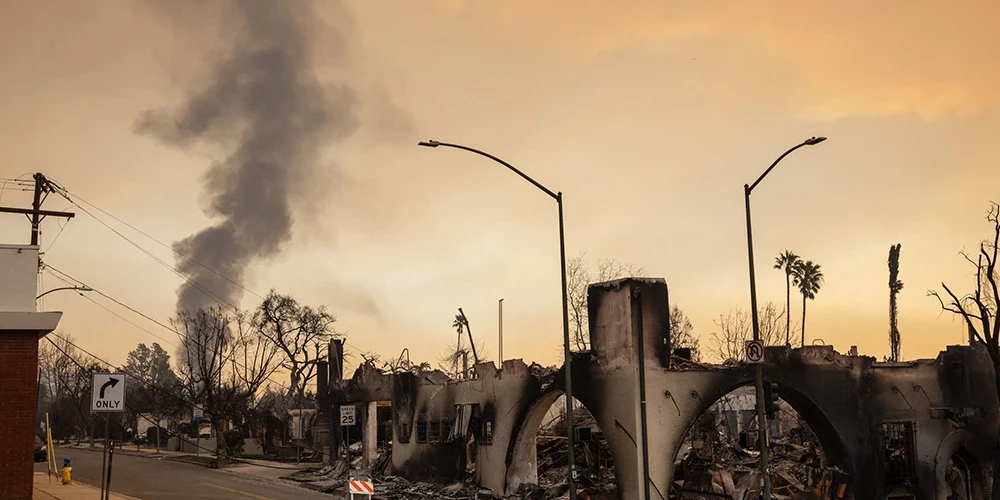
{"x": 336, "y": 357}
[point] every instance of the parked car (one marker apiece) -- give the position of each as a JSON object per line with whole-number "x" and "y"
{"x": 41, "y": 454}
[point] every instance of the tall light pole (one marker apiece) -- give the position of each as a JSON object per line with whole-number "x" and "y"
{"x": 759, "y": 371}
{"x": 565, "y": 308}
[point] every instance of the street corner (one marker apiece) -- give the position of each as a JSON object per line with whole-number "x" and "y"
{"x": 51, "y": 488}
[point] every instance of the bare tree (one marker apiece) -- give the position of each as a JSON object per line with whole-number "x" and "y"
{"x": 66, "y": 378}
{"x": 299, "y": 332}
{"x": 736, "y": 327}
{"x": 979, "y": 308}
{"x": 578, "y": 278}
{"x": 895, "y": 285}
{"x": 454, "y": 362}
{"x": 402, "y": 364}
{"x": 255, "y": 358}
{"x": 682, "y": 332}
{"x": 206, "y": 346}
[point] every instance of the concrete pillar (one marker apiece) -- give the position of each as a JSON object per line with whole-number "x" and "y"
{"x": 369, "y": 436}
{"x": 321, "y": 426}
{"x": 20, "y": 328}
{"x": 335, "y": 370}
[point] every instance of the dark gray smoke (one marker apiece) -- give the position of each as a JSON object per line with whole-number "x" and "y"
{"x": 266, "y": 109}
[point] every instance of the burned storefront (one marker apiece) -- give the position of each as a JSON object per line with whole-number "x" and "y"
{"x": 924, "y": 429}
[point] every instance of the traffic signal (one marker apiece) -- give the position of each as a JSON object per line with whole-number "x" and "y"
{"x": 770, "y": 400}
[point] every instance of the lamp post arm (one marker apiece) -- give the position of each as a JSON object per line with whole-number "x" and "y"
{"x": 772, "y": 167}
{"x": 78, "y": 288}
{"x": 498, "y": 160}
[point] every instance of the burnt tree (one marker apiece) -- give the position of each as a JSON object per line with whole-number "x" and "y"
{"x": 979, "y": 308}
{"x": 895, "y": 285}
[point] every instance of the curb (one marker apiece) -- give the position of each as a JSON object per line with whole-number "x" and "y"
{"x": 122, "y": 452}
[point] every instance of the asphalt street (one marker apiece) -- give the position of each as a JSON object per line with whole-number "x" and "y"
{"x": 159, "y": 479}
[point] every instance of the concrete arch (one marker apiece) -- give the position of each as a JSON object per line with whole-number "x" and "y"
{"x": 831, "y": 441}
{"x": 522, "y": 457}
{"x": 953, "y": 446}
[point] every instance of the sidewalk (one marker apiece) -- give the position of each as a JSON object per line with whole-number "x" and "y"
{"x": 44, "y": 490}
{"x": 261, "y": 470}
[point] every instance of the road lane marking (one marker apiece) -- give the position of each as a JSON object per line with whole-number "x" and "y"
{"x": 251, "y": 495}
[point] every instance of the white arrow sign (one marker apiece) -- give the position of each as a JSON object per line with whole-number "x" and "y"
{"x": 108, "y": 392}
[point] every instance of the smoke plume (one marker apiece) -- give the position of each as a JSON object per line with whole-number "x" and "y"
{"x": 266, "y": 110}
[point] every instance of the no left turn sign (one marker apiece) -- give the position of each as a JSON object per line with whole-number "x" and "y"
{"x": 754, "y": 351}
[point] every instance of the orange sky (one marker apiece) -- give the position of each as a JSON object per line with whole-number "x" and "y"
{"x": 649, "y": 116}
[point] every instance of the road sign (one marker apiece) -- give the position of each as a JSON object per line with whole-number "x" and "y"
{"x": 347, "y": 415}
{"x": 108, "y": 392}
{"x": 199, "y": 414}
{"x": 360, "y": 487}
{"x": 754, "y": 351}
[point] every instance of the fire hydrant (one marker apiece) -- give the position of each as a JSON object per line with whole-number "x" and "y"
{"x": 67, "y": 472}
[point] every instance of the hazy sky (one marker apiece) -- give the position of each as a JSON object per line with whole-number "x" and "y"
{"x": 649, "y": 116}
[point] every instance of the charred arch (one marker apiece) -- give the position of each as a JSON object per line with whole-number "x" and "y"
{"x": 832, "y": 444}
{"x": 522, "y": 458}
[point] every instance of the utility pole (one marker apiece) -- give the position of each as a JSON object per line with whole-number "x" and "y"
{"x": 500, "y": 304}
{"x": 468, "y": 330}
{"x": 35, "y": 214}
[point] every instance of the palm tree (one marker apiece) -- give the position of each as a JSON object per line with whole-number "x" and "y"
{"x": 787, "y": 261}
{"x": 809, "y": 279}
{"x": 895, "y": 285}
{"x": 456, "y": 357}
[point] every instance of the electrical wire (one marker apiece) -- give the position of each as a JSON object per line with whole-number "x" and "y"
{"x": 138, "y": 414}
{"x": 65, "y": 193}
{"x": 160, "y": 261}
{"x": 180, "y": 336}
{"x": 119, "y": 316}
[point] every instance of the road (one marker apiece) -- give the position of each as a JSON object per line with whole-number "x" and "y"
{"x": 157, "y": 479}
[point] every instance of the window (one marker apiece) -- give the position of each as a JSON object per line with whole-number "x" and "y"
{"x": 486, "y": 436}
{"x": 446, "y": 431}
{"x": 898, "y": 450}
{"x": 434, "y": 431}
{"x": 404, "y": 431}
{"x": 421, "y": 431}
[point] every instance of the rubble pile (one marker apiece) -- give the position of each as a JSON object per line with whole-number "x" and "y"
{"x": 596, "y": 479}
{"x": 710, "y": 462}
{"x": 397, "y": 488}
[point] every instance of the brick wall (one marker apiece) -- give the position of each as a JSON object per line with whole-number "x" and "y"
{"x": 18, "y": 394}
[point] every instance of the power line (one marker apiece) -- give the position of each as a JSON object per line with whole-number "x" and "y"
{"x": 158, "y": 260}
{"x": 119, "y": 316}
{"x": 149, "y": 384}
{"x": 180, "y": 336}
{"x": 66, "y": 194}
{"x": 127, "y": 406}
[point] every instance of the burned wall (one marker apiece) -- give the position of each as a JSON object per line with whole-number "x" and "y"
{"x": 861, "y": 411}
{"x": 441, "y": 425}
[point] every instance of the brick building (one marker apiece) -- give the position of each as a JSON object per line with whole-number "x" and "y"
{"x": 21, "y": 326}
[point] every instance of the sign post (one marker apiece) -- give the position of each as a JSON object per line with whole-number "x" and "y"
{"x": 753, "y": 350}
{"x": 347, "y": 420}
{"x": 199, "y": 414}
{"x": 355, "y": 486}
{"x": 107, "y": 396}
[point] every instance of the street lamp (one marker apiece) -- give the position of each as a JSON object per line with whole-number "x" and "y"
{"x": 83, "y": 288}
{"x": 759, "y": 371}
{"x": 565, "y": 309}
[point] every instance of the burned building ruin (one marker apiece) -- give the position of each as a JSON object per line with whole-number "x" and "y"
{"x": 911, "y": 430}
